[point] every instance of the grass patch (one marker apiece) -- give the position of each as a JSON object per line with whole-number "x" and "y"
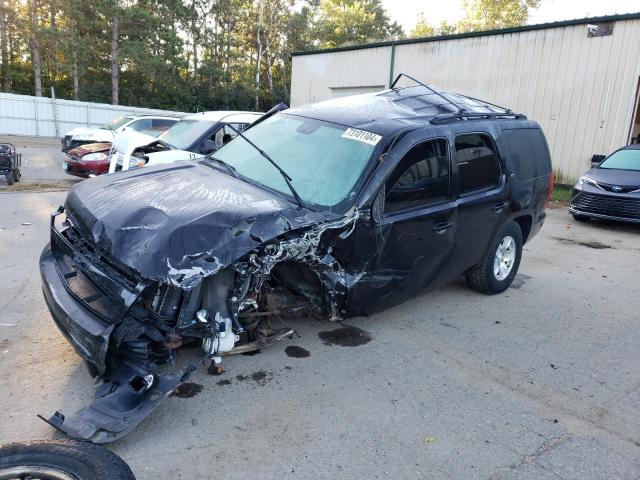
{"x": 561, "y": 193}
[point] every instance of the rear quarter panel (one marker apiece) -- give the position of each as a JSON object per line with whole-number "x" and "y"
{"x": 528, "y": 166}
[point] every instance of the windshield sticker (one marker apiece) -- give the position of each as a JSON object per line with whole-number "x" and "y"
{"x": 362, "y": 136}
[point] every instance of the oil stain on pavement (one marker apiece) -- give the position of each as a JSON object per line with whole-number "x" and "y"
{"x": 584, "y": 243}
{"x": 297, "y": 352}
{"x": 345, "y": 337}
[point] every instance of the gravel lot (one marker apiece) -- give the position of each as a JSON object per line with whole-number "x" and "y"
{"x": 542, "y": 382}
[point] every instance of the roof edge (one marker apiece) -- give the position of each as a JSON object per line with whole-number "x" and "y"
{"x": 482, "y": 33}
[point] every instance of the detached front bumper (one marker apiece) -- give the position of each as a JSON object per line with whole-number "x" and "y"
{"x": 86, "y": 297}
{"x": 88, "y": 335}
{"x": 128, "y": 391}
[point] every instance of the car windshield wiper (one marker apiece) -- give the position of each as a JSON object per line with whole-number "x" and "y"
{"x": 286, "y": 177}
{"x": 229, "y": 168}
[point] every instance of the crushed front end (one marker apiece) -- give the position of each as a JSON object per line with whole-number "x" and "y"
{"x": 129, "y": 329}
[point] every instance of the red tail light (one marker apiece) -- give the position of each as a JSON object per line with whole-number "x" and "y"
{"x": 552, "y": 180}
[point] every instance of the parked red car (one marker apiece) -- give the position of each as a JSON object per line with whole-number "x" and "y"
{"x": 90, "y": 159}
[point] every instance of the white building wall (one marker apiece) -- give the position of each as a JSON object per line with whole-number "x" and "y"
{"x": 581, "y": 90}
{"x": 34, "y": 116}
{"x": 329, "y": 75}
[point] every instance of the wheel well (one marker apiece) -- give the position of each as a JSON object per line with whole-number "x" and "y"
{"x": 525, "y": 222}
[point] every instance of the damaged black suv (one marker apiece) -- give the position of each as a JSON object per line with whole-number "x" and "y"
{"x": 337, "y": 209}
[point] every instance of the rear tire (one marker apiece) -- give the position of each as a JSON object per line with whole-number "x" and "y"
{"x": 17, "y": 175}
{"x": 61, "y": 459}
{"x": 9, "y": 177}
{"x": 500, "y": 265}
{"x": 581, "y": 218}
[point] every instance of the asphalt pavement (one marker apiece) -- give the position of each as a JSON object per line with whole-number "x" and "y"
{"x": 541, "y": 382}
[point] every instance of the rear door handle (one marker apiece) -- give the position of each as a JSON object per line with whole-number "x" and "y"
{"x": 498, "y": 207}
{"x": 441, "y": 227}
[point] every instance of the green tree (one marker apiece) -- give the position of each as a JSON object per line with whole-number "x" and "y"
{"x": 422, "y": 28}
{"x": 341, "y": 22}
{"x": 175, "y": 54}
{"x": 494, "y": 14}
{"x": 447, "y": 28}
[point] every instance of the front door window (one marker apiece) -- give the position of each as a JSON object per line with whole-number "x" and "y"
{"x": 420, "y": 179}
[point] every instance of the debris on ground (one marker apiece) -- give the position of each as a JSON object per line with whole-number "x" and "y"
{"x": 187, "y": 390}
{"x": 261, "y": 377}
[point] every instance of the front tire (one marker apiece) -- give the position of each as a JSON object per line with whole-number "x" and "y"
{"x": 62, "y": 459}
{"x": 9, "y": 177}
{"x": 499, "y": 267}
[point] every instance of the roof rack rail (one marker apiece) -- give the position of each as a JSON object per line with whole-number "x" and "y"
{"x": 428, "y": 87}
{"x": 456, "y": 117}
{"x": 461, "y": 110}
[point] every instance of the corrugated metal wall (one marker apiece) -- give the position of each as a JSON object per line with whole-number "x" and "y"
{"x": 27, "y": 115}
{"x": 316, "y": 77}
{"x": 581, "y": 90}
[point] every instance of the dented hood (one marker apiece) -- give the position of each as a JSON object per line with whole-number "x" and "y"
{"x": 181, "y": 222}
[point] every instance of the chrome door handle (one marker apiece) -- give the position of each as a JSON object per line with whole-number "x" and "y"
{"x": 498, "y": 207}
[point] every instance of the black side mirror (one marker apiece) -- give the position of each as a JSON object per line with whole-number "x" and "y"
{"x": 207, "y": 147}
{"x": 596, "y": 159}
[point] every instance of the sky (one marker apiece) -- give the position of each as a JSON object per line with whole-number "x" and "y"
{"x": 406, "y": 12}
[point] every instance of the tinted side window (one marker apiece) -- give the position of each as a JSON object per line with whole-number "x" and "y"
{"x": 478, "y": 164}
{"x": 528, "y": 152}
{"x": 421, "y": 178}
{"x": 162, "y": 123}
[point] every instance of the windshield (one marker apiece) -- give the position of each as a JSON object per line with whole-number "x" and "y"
{"x": 117, "y": 123}
{"x": 323, "y": 159}
{"x": 623, "y": 159}
{"x": 183, "y": 133}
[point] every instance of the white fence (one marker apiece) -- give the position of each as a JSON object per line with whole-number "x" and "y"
{"x": 43, "y": 117}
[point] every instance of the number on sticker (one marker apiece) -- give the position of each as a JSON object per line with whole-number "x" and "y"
{"x": 361, "y": 136}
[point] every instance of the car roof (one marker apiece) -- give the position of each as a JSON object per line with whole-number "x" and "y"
{"x": 392, "y": 110}
{"x": 157, "y": 117}
{"x": 226, "y": 115}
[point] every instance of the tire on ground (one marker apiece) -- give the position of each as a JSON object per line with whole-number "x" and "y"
{"x": 9, "y": 177}
{"x": 81, "y": 460}
{"x": 482, "y": 277}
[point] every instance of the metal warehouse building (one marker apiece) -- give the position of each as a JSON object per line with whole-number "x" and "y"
{"x": 579, "y": 79}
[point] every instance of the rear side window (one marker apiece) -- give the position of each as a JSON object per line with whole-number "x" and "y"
{"x": 162, "y": 123}
{"x": 140, "y": 125}
{"x": 420, "y": 179}
{"x": 528, "y": 152}
{"x": 478, "y": 164}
